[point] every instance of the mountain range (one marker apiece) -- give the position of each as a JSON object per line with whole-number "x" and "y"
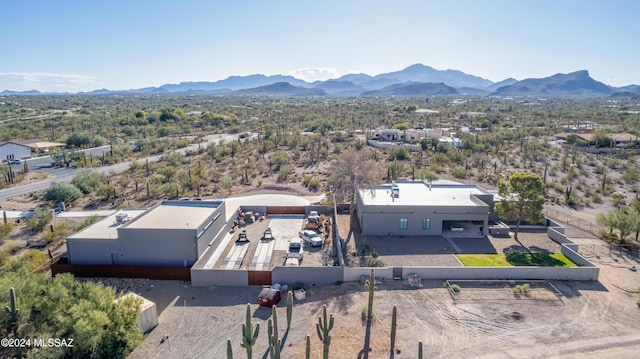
{"x": 415, "y": 80}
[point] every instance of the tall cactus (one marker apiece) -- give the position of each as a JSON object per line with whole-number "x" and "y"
{"x": 393, "y": 329}
{"x": 274, "y": 349}
{"x": 289, "y": 308}
{"x": 272, "y": 334}
{"x": 229, "y": 349}
{"x": 307, "y": 351}
{"x": 370, "y": 285}
{"x": 13, "y": 311}
{"x": 249, "y": 336}
{"x": 419, "y": 350}
{"x": 323, "y": 327}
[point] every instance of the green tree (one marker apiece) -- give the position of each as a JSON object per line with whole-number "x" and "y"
{"x": 61, "y": 192}
{"x": 601, "y": 138}
{"x": 102, "y": 324}
{"x": 626, "y": 220}
{"x": 87, "y": 181}
{"x": 427, "y": 175}
{"x": 522, "y": 196}
{"x": 279, "y": 159}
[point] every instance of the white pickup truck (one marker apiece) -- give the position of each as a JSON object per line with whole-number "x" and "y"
{"x": 295, "y": 249}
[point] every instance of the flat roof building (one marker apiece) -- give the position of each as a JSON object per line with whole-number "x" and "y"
{"x": 170, "y": 234}
{"x": 419, "y": 208}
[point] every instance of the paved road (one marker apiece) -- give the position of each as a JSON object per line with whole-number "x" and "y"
{"x": 63, "y": 174}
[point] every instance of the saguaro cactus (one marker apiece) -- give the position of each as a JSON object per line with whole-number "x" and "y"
{"x": 229, "y": 349}
{"x": 272, "y": 334}
{"x": 289, "y": 308}
{"x": 419, "y": 350}
{"x": 13, "y": 311}
{"x": 393, "y": 329}
{"x": 249, "y": 335}
{"x": 323, "y": 327}
{"x": 370, "y": 285}
{"x": 274, "y": 349}
{"x": 307, "y": 352}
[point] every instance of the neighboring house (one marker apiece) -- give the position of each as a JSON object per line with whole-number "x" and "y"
{"x": 169, "y": 234}
{"x": 427, "y": 112}
{"x": 11, "y": 150}
{"x": 621, "y": 139}
{"x": 406, "y": 136}
{"x": 26, "y": 148}
{"x": 451, "y": 141}
{"x": 416, "y": 208}
{"x": 471, "y": 115}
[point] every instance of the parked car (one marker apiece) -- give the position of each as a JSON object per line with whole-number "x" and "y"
{"x": 295, "y": 249}
{"x": 310, "y": 238}
{"x": 15, "y": 161}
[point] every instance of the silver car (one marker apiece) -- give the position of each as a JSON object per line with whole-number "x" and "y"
{"x": 311, "y": 238}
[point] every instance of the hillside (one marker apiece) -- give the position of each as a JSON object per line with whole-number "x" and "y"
{"x": 414, "y": 89}
{"x": 282, "y": 89}
{"x": 577, "y": 83}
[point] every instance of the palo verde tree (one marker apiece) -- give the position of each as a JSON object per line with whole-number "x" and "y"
{"x": 354, "y": 170}
{"x": 522, "y": 196}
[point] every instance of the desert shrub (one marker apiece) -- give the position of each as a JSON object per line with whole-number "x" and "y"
{"x": 524, "y": 288}
{"x": 41, "y": 218}
{"x": 87, "y": 222}
{"x": 157, "y": 178}
{"x": 375, "y": 262}
{"x": 459, "y": 172}
{"x": 596, "y": 198}
{"x": 86, "y": 181}
{"x": 285, "y": 172}
{"x": 455, "y": 288}
{"x": 61, "y": 192}
{"x": 5, "y": 230}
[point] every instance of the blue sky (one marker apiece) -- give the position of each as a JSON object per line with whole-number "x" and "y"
{"x": 83, "y": 45}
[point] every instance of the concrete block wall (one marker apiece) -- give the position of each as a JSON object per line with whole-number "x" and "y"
{"x": 307, "y": 275}
{"x": 352, "y": 274}
{"x": 479, "y": 273}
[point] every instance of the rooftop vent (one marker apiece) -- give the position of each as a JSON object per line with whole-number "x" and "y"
{"x": 123, "y": 217}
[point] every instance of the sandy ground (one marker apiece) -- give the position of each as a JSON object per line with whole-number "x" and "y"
{"x": 589, "y": 320}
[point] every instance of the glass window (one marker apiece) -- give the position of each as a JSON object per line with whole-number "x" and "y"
{"x": 404, "y": 223}
{"x": 426, "y": 223}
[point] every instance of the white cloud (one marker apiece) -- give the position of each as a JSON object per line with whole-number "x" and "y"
{"x": 47, "y": 82}
{"x": 311, "y": 74}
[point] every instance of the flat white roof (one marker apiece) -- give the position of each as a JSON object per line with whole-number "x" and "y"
{"x": 108, "y": 227}
{"x": 419, "y": 194}
{"x": 165, "y": 215}
{"x": 175, "y": 215}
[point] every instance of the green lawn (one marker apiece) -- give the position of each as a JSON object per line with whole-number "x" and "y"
{"x": 515, "y": 259}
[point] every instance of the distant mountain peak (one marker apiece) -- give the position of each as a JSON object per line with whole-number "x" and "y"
{"x": 577, "y": 83}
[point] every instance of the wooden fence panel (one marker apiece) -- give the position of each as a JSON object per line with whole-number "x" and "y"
{"x": 259, "y": 277}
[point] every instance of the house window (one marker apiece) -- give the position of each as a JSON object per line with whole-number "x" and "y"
{"x": 404, "y": 223}
{"x": 426, "y": 223}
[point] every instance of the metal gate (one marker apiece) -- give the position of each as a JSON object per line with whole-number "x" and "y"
{"x": 285, "y": 210}
{"x": 397, "y": 272}
{"x": 259, "y": 277}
